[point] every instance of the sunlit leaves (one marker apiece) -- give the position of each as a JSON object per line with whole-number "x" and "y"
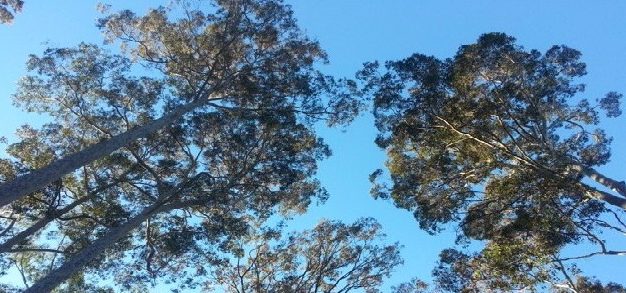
{"x": 332, "y": 257}
{"x": 245, "y": 152}
{"x": 497, "y": 140}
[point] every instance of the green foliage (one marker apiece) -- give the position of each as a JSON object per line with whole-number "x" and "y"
{"x": 414, "y": 286}
{"x": 586, "y": 285}
{"x": 497, "y": 140}
{"x": 8, "y": 8}
{"x": 332, "y": 257}
{"x": 246, "y": 152}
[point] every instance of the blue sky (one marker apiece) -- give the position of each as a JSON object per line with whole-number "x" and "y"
{"x": 356, "y": 31}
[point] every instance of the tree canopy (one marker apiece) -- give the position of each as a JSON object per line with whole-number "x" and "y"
{"x": 173, "y": 151}
{"x": 237, "y": 91}
{"x": 247, "y": 54}
{"x": 332, "y": 257}
{"x": 498, "y": 140}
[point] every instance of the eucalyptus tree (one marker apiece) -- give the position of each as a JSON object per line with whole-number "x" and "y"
{"x": 332, "y": 257}
{"x": 586, "y": 285}
{"x": 254, "y": 168}
{"x": 455, "y": 273}
{"x": 498, "y": 140}
{"x": 581, "y": 284}
{"x": 76, "y": 125}
{"x": 414, "y": 286}
{"x": 238, "y": 93}
{"x": 243, "y": 47}
{"x": 8, "y": 8}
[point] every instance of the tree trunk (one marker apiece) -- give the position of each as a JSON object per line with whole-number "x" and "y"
{"x": 607, "y": 197}
{"x": 89, "y": 253}
{"x": 7, "y": 245}
{"x": 612, "y": 184}
{"x": 37, "y": 179}
{"x": 619, "y": 187}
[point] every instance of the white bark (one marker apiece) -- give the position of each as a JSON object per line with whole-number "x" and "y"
{"x": 91, "y": 252}
{"x": 619, "y": 187}
{"x": 37, "y": 179}
{"x": 608, "y": 198}
{"x": 612, "y": 184}
{"x": 7, "y": 245}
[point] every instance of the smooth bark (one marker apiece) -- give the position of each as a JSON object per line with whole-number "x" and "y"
{"x": 91, "y": 252}
{"x": 593, "y": 174}
{"x": 37, "y": 179}
{"x": 612, "y": 184}
{"x": 7, "y": 245}
{"x": 608, "y": 198}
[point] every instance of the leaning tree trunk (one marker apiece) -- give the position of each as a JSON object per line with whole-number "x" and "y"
{"x": 612, "y": 184}
{"x": 89, "y": 253}
{"x": 606, "y": 197}
{"x": 8, "y": 244}
{"x": 37, "y": 179}
{"x": 93, "y": 250}
{"x": 593, "y": 174}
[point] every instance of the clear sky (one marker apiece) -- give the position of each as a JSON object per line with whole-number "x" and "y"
{"x": 356, "y": 31}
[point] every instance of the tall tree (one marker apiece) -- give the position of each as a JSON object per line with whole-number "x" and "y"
{"x": 498, "y": 140}
{"x": 332, "y": 257}
{"x": 455, "y": 273}
{"x": 452, "y": 279}
{"x": 245, "y": 48}
{"x": 243, "y": 151}
{"x": 254, "y": 166}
